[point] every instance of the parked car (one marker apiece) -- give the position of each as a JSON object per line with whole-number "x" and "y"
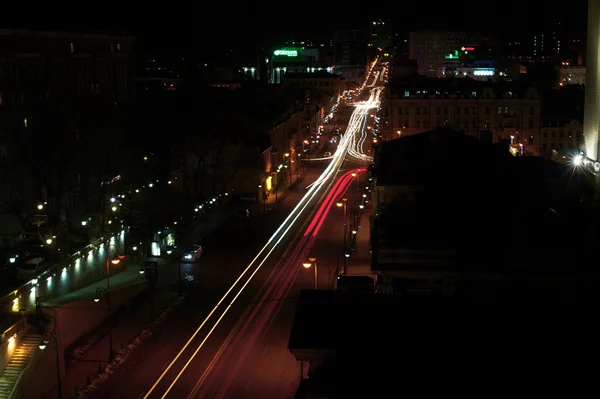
{"x": 32, "y": 268}
{"x": 192, "y": 253}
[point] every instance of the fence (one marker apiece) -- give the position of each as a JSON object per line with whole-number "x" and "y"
{"x": 78, "y": 270}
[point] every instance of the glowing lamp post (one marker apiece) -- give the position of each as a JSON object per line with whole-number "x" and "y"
{"x": 114, "y": 261}
{"x": 343, "y": 204}
{"x": 313, "y": 262}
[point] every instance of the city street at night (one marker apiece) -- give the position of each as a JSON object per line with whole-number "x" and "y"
{"x": 230, "y": 338}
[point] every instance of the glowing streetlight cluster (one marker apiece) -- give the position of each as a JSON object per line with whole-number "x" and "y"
{"x": 42, "y": 285}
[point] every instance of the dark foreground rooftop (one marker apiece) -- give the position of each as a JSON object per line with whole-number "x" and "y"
{"x": 388, "y": 344}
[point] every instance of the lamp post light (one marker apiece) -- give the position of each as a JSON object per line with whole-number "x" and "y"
{"x": 343, "y": 204}
{"x": 42, "y": 346}
{"x": 313, "y": 261}
{"x": 263, "y": 192}
{"x": 115, "y": 261}
{"x": 357, "y": 179}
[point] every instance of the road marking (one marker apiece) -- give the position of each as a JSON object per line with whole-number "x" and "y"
{"x": 265, "y": 351}
{"x": 248, "y": 385}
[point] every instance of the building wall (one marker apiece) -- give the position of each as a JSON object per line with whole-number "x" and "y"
{"x": 350, "y": 48}
{"x": 503, "y": 117}
{"x": 334, "y": 86}
{"x": 566, "y": 138}
{"x": 428, "y": 48}
{"x": 52, "y": 64}
{"x": 592, "y": 82}
{"x": 571, "y": 75}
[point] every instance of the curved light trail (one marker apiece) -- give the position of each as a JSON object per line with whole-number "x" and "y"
{"x": 254, "y": 324}
{"x": 346, "y": 146}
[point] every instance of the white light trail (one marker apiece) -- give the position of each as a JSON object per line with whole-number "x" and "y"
{"x": 346, "y": 145}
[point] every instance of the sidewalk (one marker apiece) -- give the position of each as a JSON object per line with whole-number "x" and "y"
{"x": 90, "y": 352}
{"x": 359, "y": 262}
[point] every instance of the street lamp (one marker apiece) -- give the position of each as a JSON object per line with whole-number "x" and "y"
{"x": 42, "y": 346}
{"x": 357, "y": 180}
{"x": 343, "y": 204}
{"x": 115, "y": 261}
{"x": 307, "y": 265}
{"x": 264, "y": 197}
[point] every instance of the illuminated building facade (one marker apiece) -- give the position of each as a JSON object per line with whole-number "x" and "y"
{"x": 591, "y": 120}
{"x": 489, "y": 111}
{"x": 295, "y": 60}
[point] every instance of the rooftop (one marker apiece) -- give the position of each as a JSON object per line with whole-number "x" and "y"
{"x": 336, "y": 320}
{"x": 436, "y": 154}
{"x": 460, "y": 195}
{"x": 385, "y": 343}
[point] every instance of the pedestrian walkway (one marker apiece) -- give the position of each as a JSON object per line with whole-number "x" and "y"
{"x": 19, "y": 360}
{"x": 89, "y": 356}
{"x": 129, "y": 324}
{"x": 79, "y": 370}
{"x": 92, "y": 355}
{"x": 359, "y": 262}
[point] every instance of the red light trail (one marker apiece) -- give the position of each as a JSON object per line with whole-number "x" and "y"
{"x": 257, "y": 319}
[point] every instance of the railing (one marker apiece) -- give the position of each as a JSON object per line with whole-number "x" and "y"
{"x": 14, "y": 329}
{"x": 90, "y": 277}
{"x": 11, "y": 332}
{"x": 14, "y": 393}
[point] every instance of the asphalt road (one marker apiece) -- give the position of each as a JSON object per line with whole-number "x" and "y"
{"x": 232, "y": 247}
{"x": 237, "y": 348}
{"x": 249, "y": 356}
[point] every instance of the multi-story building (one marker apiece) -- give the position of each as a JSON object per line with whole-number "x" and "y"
{"x": 297, "y": 59}
{"x": 36, "y": 64}
{"x": 381, "y": 34}
{"x": 563, "y": 136}
{"x": 571, "y": 75}
{"x": 552, "y": 45}
{"x": 489, "y": 111}
{"x": 431, "y": 48}
{"x": 350, "y": 52}
{"x": 69, "y": 75}
{"x": 331, "y": 84}
{"x": 562, "y": 122}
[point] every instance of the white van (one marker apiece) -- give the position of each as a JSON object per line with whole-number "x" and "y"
{"x": 31, "y": 268}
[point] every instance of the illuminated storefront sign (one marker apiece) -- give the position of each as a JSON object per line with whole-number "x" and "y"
{"x": 457, "y": 54}
{"x": 453, "y": 56}
{"x": 289, "y": 52}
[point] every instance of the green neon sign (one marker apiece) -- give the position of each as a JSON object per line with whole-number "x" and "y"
{"x": 452, "y": 56}
{"x": 286, "y": 52}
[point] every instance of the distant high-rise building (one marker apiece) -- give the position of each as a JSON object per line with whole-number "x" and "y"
{"x": 350, "y": 52}
{"x": 430, "y": 49}
{"x": 380, "y": 33}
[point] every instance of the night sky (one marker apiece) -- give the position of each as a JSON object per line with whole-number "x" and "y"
{"x": 180, "y": 25}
